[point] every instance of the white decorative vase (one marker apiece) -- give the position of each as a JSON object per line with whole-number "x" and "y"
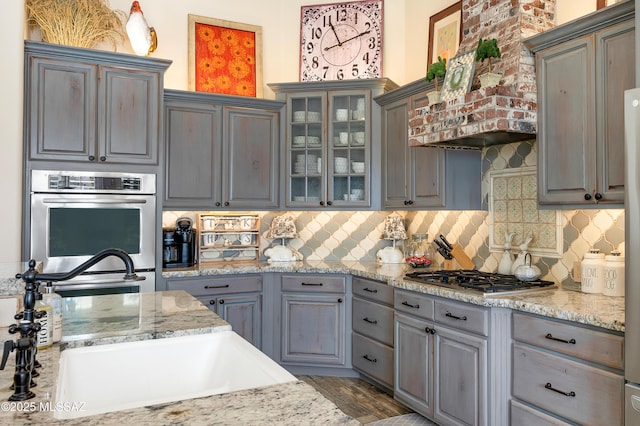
{"x": 489, "y": 79}
{"x": 434, "y": 97}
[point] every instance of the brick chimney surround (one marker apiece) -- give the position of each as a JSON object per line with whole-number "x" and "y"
{"x": 501, "y": 114}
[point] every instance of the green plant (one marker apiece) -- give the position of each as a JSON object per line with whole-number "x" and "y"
{"x": 487, "y": 49}
{"x": 437, "y": 69}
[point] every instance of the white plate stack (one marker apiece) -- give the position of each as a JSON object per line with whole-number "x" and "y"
{"x": 306, "y": 163}
{"x": 341, "y": 165}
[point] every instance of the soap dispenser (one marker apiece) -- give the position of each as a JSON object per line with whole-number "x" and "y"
{"x": 504, "y": 267}
{"x": 521, "y": 256}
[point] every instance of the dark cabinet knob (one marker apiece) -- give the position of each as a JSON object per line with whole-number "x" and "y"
{"x": 410, "y": 202}
{"x": 329, "y": 203}
{"x": 226, "y": 204}
{"x": 598, "y": 196}
{"x": 212, "y": 301}
{"x": 92, "y": 158}
{"x": 217, "y": 203}
{"x": 221, "y": 302}
{"x": 587, "y": 196}
{"x": 339, "y": 300}
{"x": 322, "y": 203}
{"x": 103, "y": 158}
{"x": 406, "y": 203}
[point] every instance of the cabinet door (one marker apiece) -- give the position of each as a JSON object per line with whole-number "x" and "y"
{"x": 244, "y": 313}
{"x": 193, "y": 155}
{"x": 396, "y": 181}
{"x": 61, "y": 112}
{"x": 313, "y": 329}
{"x": 567, "y": 128}
{"x": 128, "y": 116}
{"x": 615, "y": 74}
{"x": 250, "y": 172}
{"x": 413, "y": 369}
{"x": 460, "y": 386}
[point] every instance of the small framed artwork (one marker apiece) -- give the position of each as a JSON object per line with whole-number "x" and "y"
{"x": 225, "y": 57}
{"x": 445, "y": 32}
{"x": 457, "y": 80}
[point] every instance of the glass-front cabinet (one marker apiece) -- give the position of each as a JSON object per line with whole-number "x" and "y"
{"x": 327, "y": 144}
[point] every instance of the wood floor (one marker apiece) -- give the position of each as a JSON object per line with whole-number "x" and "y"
{"x": 357, "y": 398}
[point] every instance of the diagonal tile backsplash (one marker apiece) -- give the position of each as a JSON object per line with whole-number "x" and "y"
{"x": 355, "y": 235}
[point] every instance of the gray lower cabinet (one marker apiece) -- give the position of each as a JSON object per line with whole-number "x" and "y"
{"x": 423, "y": 177}
{"x": 441, "y": 360}
{"x": 372, "y": 325}
{"x": 221, "y": 152}
{"x": 313, "y": 320}
{"x": 581, "y": 78}
{"x": 236, "y": 299}
{"x": 91, "y": 106}
{"x": 564, "y": 373}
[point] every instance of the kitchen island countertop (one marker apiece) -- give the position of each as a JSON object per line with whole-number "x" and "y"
{"x": 561, "y": 303}
{"x": 97, "y": 320}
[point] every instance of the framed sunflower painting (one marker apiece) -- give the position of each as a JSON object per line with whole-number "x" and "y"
{"x": 225, "y": 57}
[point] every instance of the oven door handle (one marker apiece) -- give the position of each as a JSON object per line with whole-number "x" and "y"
{"x": 93, "y": 201}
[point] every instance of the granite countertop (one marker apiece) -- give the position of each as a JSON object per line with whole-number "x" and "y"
{"x": 561, "y": 303}
{"x": 99, "y": 320}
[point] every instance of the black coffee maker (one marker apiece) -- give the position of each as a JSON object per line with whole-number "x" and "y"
{"x": 179, "y": 245}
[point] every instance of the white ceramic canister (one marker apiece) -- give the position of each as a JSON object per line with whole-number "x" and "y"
{"x": 613, "y": 273}
{"x": 592, "y": 265}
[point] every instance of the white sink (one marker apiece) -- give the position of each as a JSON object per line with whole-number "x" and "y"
{"x": 120, "y": 376}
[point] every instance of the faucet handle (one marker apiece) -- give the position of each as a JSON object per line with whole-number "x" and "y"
{"x": 9, "y": 346}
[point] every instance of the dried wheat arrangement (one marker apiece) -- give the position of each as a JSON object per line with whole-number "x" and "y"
{"x": 80, "y": 23}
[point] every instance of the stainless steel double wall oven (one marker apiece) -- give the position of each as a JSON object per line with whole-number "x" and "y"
{"x": 76, "y": 214}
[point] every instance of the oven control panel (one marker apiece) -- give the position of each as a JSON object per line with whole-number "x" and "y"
{"x": 88, "y": 182}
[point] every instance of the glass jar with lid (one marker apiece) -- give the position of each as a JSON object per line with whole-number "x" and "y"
{"x": 419, "y": 252}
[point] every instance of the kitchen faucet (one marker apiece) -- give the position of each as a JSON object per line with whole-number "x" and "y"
{"x": 26, "y": 344}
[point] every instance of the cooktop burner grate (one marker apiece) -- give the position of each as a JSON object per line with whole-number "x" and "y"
{"x": 485, "y": 282}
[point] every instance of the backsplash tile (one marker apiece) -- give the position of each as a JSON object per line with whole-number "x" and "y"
{"x": 355, "y": 235}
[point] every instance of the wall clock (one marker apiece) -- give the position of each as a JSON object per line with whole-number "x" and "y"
{"x": 341, "y": 41}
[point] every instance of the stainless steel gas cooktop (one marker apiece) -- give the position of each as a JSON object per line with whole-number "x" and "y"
{"x": 488, "y": 283}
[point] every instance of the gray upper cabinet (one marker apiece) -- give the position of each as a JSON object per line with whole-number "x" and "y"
{"x": 91, "y": 106}
{"x": 423, "y": 177}
{"x": 331, "y": 141}
{"x": 583, "y": 69}
{"x": 221, "y": 151}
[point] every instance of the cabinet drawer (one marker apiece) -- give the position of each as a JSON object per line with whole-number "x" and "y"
{"x": 373, "y": 320}
{"x": 313, "y": 283}
{"x": 591, "y": 396}
{"x": 413, "y": 303}
{"x": 463, "y": 316}
{"x": 213, "y": 286}
{"x": 592, "y": 345}
{"x": 374, "y": 290}
{"x": 523, "y": 415}
{"x": 373, "y": 359}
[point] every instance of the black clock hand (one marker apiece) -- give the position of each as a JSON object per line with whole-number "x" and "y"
{"x": 335, "y": 33}
{"x": 349, "y": 39}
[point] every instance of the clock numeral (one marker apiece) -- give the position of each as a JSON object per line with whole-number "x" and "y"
{"x": 340, "y": 74}
{"x": 325, "y": 70}
{"x": 341, "y": 15}
{"x": 316, "y": 33}
{"x": 365, "y": 58}
{"x": 326, "y": 21}
{"x": 372, "y": 42}
{"x": 354, "y": 70}
{"x": 314, "y": 62}
{"x": 309, "y": 48}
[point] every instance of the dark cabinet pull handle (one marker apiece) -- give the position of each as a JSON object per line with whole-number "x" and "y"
{"x": 370, "y": 290}
{"x": 430, "y": 330}
{"x": 550, "y": 337}
{"x": 587, "y": 196}
{"x": 103, "y": 158}
{"x": 313, "y": 284}
{"x": 339, "y": 300}
{"x": 406, "y": 202}
{"x": 92, "y": 158}
{"x": 571, "y": 394}
{"x": 216, "y": 286}
{"x": 450, "y": 315}
{"x": 365, "y": 319}
{"x": 370, "y": 359}
{"x": 405, "y": 303}
{"x": 410, "y": 202}
{"x": 212, "y": 301}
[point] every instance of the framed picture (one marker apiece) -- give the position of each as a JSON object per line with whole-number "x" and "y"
{"x": 225, "y": 57}
{"x": 445, "y": 32}
{"x": 457, "y": 80}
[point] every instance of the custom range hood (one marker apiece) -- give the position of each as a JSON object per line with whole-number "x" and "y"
{"x": 495, "y": 115}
